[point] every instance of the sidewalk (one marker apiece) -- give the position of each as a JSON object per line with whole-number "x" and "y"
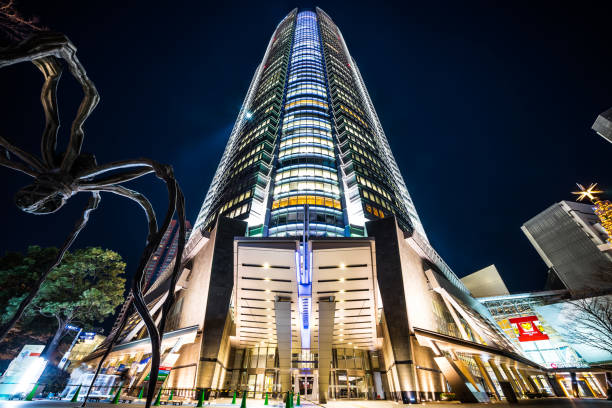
{"x": 259, "y": 403}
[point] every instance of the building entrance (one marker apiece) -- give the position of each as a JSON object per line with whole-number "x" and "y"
{"x": 306, "y": 386}
{"x": 349, "y": 386}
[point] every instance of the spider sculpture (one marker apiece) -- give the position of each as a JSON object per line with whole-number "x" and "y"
{"x": 60, "y": 175}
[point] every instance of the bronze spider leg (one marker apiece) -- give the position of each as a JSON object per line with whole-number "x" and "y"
{"x": 92, "y": 204}
{"x": 52, "y": 71}
{"x": 6, "y": 162}
{"x": 49, "y": 44}
{"x": 180, "y": 210}
{"x": 176, "y": 201}
{"x": 31, "y": 160}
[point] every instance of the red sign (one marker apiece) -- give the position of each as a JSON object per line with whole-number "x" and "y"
{"x": 528, "y": 330}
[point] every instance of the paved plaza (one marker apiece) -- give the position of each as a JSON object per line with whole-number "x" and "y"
{"x": 549, "y": 402}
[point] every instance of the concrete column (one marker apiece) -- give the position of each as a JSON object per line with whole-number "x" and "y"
{"x": 238, "y": 355}
{"x": 282, "y": 309}
{"x": 574, "y": 382}
{"x": 486, "y": 376}
{"x": 534, "y": 387}
{"x": 538, "y": 384}
{"x": 518, "y": 388}
{"x": 459, "y": 378}
{"x": 557, "y": 388}
{"x": 524, "y": 384}
{"x": 327, "y": 310}
{"x": 456, "y": 319}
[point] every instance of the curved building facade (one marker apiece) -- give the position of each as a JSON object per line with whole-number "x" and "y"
{"x": 307, "y": 155}
{"x": 308, "y": 270}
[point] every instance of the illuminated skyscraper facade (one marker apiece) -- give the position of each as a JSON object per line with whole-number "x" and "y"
{"x": 307, "y": 155}
{"x": 308, "y": 269}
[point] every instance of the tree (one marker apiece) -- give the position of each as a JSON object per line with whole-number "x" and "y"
{"x": 19, "y": 272}
{"x": 86, "y": 287}
{"x": 591, "y": 322}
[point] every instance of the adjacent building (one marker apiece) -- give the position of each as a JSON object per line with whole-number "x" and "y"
{"x": 573, "y": 244}
{"x": 603, "y": 125}
{"x": 542, "y": 326}
{"x": 308, "y": 269}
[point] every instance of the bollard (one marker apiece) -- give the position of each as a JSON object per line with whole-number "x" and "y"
{"x": 243, "y": 402}
{"x": 287, "y": 403}
{"x": 116, "y": 399}
{"x": 266, "y": 401}
{"x": 76, "y": 395}
{"x": 32, "y": 393}
{"x": 171, "y": 394}
{"x": 158, "y": 399}
{"x": 297, "y": 404}
{"x": 141, "y": 392}
{"x": 234, "y": 397}
{"x": 201, "y": 398}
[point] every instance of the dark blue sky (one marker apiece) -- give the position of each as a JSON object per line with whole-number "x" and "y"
{"x": 487, "y": 108}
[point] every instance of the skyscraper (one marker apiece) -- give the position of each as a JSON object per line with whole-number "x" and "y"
{"x": 308, "y": 141}
{"x": 308, "y": 269}
{"x": 165, "y": 252}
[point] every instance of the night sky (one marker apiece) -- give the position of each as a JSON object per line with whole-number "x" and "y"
{"x": 487, "y": 108}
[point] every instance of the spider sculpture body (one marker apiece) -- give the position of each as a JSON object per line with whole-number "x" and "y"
{"x": 60, "y": 175}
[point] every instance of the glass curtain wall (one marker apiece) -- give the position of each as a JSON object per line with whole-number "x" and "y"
{"x": 306, "y": 180}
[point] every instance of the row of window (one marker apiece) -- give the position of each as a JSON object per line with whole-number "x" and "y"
{"x": 301, "y": 51}
{"x": 309, "y": 75}
{"x": 243, "y": 209}
{"x": 309, "y": 171}
{"x": 246, "y": 164}
{"x": 362, "y": 152}
{"x": 358, "y": 133}
{"x": 305, "y": 102}
{"x": 348, "y": 99}
{"x": 306, "y": 150}
{"x": 308, "y": 113}
{"x": 254, "y": 134}
{"x": 297, "y": 216}
{"x": 373, "y": 210}
{"x": 307, "y": 131}
{"x": 354, "y": 115}
{"x": 297, "y": 186}
{"x": 373, "y": 166}
{"x": 311, "y": 90}
{"x": 373, "y": 186}
{"x": 310, "y": 200}
{"x": 307, "y": 123}
{"x": 374, "y": 198}
{"x": 306, "y": 140}
{"x": 236, "y": 200}
{"x": 318, "y": 230}
{"x": 257, "y": 148}
{"x": 271, "y": 82}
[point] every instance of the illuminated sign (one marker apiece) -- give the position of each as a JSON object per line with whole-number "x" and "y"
{"x": 164, "y": 372}
{"x": 23, "y": 372}
{"x": 528, "y": 329}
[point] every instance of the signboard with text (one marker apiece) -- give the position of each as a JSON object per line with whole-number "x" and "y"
{"x": 528, "y": 329}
